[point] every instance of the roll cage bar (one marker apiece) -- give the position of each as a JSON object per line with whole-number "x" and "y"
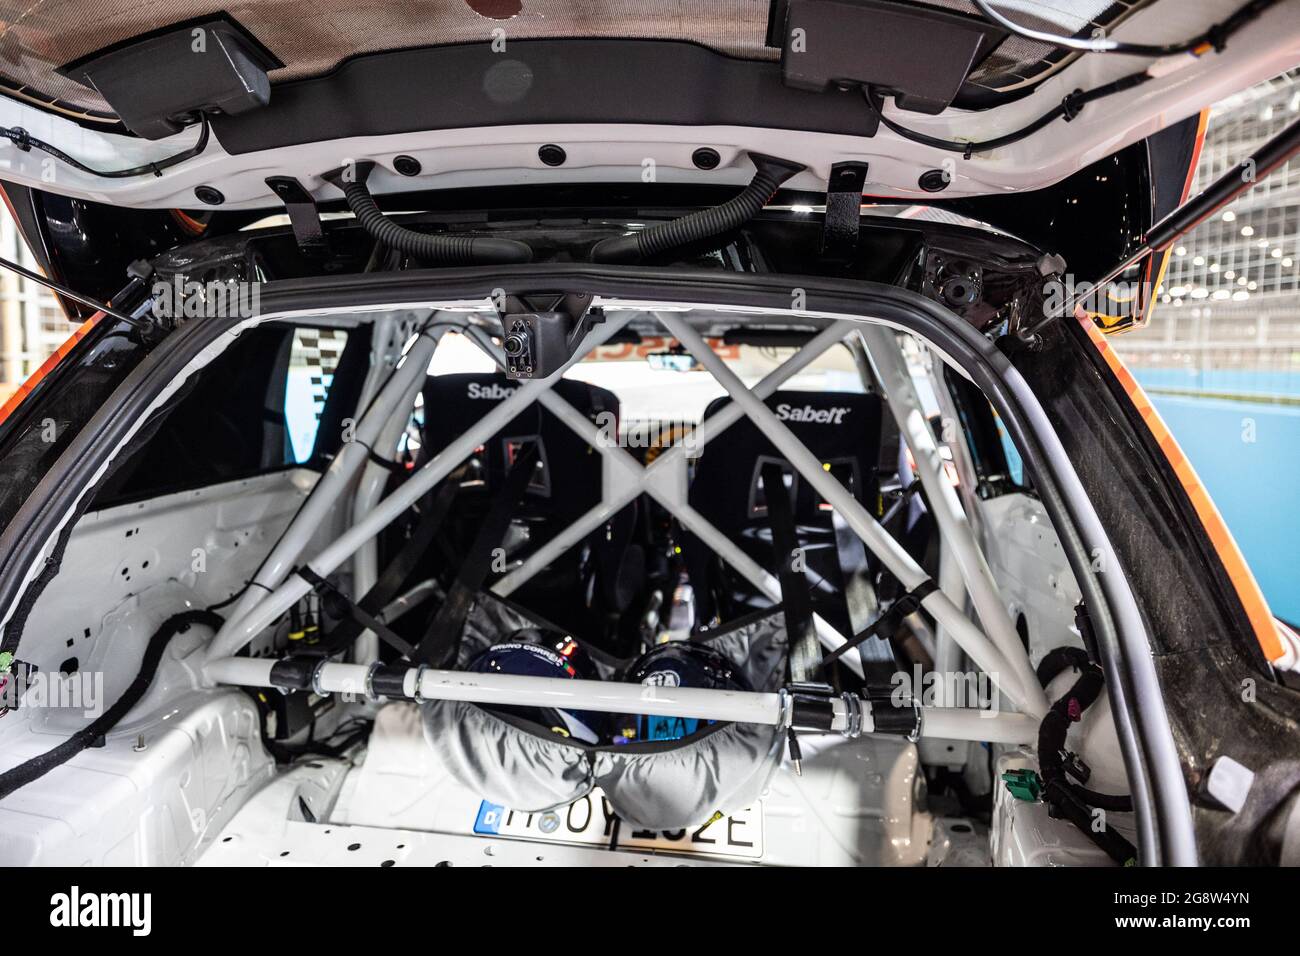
{"x": 998, "y": 652}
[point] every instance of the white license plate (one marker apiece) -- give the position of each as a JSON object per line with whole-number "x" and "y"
{"x": 592, "y": 822}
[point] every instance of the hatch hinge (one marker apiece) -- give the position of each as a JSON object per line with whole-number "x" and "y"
{"x": 843, "y": 210}
{"x": 304, "y": 217}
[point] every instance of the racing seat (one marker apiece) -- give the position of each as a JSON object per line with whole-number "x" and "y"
{"x": 594, "y": 580}
{"x": 843, "y": 430}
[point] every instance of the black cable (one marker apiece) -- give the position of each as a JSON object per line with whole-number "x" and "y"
{"x": 1071, "y": 800}
{"x": 25, "y": 141}
{"x": 230, "y": 600}
{"x": 40, "y": 765}
{"x": 1212, "y": 39}
{"x": 769, "y": 174}
{"x": 1056, "y": 660}
{"x": 467, "y": 250}
{"x": 1067, "y": 109}
{"x": 287, "y": 753}
{"x": 1070, "y": 106}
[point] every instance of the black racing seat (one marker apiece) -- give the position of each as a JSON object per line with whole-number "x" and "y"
{"x": 843, "y": 429}
{"x": 594, "y": 577}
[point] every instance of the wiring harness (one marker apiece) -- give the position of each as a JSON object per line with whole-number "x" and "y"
{"x": 769, "y": 174}
{"x": 422, "y": 245}
{"x": 1215, "y": 40}
{"x": 26, "y": 142}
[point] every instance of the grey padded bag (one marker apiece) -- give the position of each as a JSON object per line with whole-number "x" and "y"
{"x": 653, "y": 785}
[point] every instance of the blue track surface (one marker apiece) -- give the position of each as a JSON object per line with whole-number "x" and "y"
{"x": 1248, "y": 455}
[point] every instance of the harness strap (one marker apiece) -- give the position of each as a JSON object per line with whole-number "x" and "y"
{"x": 442, "y": 637}
{"x": 796, "y": 600}
{"x": 435, "y": 509}
{"x": 340, "y": 604}
{"x": 887, "y": 623}
{"x": 860, "y": 598}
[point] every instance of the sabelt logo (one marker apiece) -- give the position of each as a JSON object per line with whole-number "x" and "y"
{"x": 819, "y": 416}
{"x": 495, "y": 391}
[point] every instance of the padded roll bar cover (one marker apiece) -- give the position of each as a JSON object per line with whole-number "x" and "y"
{"x": 835, "y": 426}
{"x": 664, "y": 785}
{"x": 683, "y": 786}
{"x": 502, "y": 763}
{"x": 294, "y": 673}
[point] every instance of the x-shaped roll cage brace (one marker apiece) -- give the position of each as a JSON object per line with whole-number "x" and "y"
{"x": 996, "y": 649}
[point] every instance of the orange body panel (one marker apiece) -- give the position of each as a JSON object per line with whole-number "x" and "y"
{"x": 1252, "y": 599}
{"x": 47, "y": 366}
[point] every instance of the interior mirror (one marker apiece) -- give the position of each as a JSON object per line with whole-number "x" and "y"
{"x": 672, "y": 361}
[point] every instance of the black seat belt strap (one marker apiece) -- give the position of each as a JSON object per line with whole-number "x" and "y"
{"x": 442, "y": 638}
{"x": 435, "y": 509}
{"x": 887, "y": 623}
{"x": 796, "y": 599}
{"x": 859, "y": 593}
{"x": 341, "y": 605}
{"x": 899, "y": 508}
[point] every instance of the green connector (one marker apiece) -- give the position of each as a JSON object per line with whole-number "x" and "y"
{"x": 6, "y": 661}
{"x": 1023, "y": 784}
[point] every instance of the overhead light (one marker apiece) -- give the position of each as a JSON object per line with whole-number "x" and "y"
{"x": 1200, "y": 293}
{"x": 1263, "y": 243}
{"x": 1180, "y": 251}
{"x": 1214, "y": 267}
{"x": 1241, "y": 281}
{"x": 801, "y": 209}
{"x": 1288, "y": 262}
{"x": 1229, "y": 216}
{"x": 1247, "y": 230}
{"x": 1230, "y": 274}
{"x": 1178, "y": 290}
{"x": 1277, "y": 252}
{"x": 1252, "y": 285}
{"x": 1221, "y": 293}
{"x": 1198, "y": 261}
{"x": 1240, "y": 296}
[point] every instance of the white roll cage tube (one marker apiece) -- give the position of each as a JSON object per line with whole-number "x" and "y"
{"x": 665, "y": 480}
{"x": 242, "y": 628}
{"x": 335, "y": 481}
{"x": 901, "y": 564}
{"x": 900, "y": 394}
{"x": 370, "y": 490}
{"x": 846, "y": 714}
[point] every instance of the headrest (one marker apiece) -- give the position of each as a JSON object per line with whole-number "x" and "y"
{"x": 842, "y": 429}
{"x": 453, "y": 403}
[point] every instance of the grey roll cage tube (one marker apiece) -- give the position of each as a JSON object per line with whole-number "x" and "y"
{"x": 664, "y": 480}
{"x": 1151, "y": 758}
{"x": 625, "y": 478}
{"x": 670, "y": 493}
